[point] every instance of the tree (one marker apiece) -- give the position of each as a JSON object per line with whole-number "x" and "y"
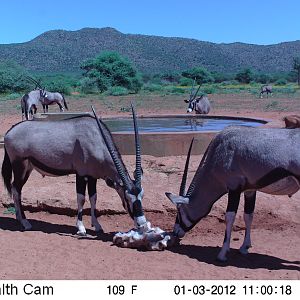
{"x": 111, "y": 69}
{"x": 12, "y": 77}
{"x": 296, "y": 67}
{"x": 200, "y": 74}
{"x": 245, "y": 76}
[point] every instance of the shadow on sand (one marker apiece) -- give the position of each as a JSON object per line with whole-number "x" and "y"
{"x": 205, "y": 254}
{"x": 41, "y": 226}
{"x": 208, "y": 254}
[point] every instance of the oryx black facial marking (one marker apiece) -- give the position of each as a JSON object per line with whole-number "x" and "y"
{"x": 239, "y": 160}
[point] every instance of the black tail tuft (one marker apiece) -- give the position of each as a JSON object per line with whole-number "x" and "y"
{"x": 65, "y": 102}
{"x": 7, "y": 172}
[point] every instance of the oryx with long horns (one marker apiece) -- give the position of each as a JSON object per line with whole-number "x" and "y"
{"x": 30, "y": 101}
{"x": 239, "y": 160}
{"x": 81, "y": 145}
{"x": 201, "y": 104}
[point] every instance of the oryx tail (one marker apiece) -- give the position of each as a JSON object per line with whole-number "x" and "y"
{"x": 7, "y": 172}
{"x": 65, "y": 103}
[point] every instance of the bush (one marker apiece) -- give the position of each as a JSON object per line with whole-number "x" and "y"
{"x": 174, "y": 90}
{"x": 88, "y": 86}
{"x": 151, "y": 87}
{"x": 111, "y": 69}
{"x": 117, "y": 91}
{"x": 281, "y": 81}
{"x": 245, "y": 76}
{"x": 200, "y": 74}
{"x": 208, "y": 90}
{"x": 12, "y": 77}
{"x": 184, "y": 81}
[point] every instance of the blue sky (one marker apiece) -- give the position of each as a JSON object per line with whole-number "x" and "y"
{"x": 252, "y": 21}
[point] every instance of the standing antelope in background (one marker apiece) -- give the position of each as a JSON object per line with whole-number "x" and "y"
{"x": 266, "y": 89}
{"x": 239, "y": 160}
{"x": 201, "y": 104}
{"x": 81, "y": 145}
{"x": 30, "y": 101}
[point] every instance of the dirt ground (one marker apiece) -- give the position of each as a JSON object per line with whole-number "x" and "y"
{"x": 53, "y": 251}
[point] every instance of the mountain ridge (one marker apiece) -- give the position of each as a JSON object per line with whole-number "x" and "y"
{"x": 63, "y": 51}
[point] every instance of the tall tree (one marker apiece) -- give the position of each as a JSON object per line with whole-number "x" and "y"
{"x": 296, "y": 67}
{"x": 111, "y": 69}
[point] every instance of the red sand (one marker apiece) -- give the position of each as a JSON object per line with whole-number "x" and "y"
{"x": 53, "y": 251}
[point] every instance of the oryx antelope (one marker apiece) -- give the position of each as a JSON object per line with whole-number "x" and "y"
{"x": 266, "y": 89}
{"x": 47, "y": 98}
{"x": 52, "y": 98}
{"x": 81, "y": 145}
{"x": 201, "y": 104}
{"x": 239, "y": 160}
{"x": 30, "y": 101}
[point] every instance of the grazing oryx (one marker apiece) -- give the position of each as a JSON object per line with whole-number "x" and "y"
{"x": 30, "y": 101}
{"x": 201, "y": 104}
{"x": 81, "y": 145}
{"x": 239, "y": 160}
{"x": 266, "y": 89}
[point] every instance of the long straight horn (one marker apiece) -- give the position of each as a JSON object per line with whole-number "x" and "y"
{"x": 186, "y": 167}
{"x": 196, "y": 92}
{"x": 192, "y": 89}
{"x": 138, "y": 159}
{"x": 113, "y": 154}
{"x": 34, "y": 81}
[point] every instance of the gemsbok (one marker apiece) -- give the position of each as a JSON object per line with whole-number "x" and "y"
{"x": 80, "y": 145}
{"x": 238, "y": 160}
{"x": 266, "y": 89}
{"x": 201, "y": 104}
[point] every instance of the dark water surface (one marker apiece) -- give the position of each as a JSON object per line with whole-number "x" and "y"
{"x": 175, "y": 124}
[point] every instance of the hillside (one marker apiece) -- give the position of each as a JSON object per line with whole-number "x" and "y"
{"x": 63, "y": 51}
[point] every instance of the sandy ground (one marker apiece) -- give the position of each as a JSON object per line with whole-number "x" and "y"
{"x": 53, "y": 251}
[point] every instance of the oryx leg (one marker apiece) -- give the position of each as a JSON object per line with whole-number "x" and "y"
{"x": 60, "y": 107}
{"x": 250, "y": 198}
{"x": 81, "y": 183}
{"x": 44, "y": 108}
{"x": 21, "y": 170}
{"x": 232, "y": 206}
{"x": 92, "y": 182}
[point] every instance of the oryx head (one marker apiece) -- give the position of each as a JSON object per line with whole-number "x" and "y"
{"x": 192, "y": 100}
{"x": 182, "y": 200}
{"x": 130, "y": 190}
{"x": 38, "y": 86}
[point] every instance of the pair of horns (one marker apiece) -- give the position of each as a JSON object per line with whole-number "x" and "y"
{"x": 34, "y": 81}
{"x": 118, "y": 164}
{"x": 192, "y": 94}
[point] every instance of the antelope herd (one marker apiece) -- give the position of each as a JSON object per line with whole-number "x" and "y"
{"x": 238, "y": 160}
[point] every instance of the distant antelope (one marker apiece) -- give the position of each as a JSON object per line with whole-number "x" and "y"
{"x": 201, "y": 104}
{"x": 81, "y": 145}
{"x": 30, "y": 101}
{"x": 266, "y": 89}
{"x": 238, "y": 160}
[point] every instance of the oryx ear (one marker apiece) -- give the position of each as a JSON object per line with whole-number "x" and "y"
{"x": 177, "y": 199}
{"x": 186, "y": 101}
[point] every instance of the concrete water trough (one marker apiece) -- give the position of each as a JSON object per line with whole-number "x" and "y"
{"x": 163, "y": 135}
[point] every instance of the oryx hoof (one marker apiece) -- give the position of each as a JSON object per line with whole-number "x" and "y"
{"x": 222, "y": 256}
{"x": 81, "y": 233}
{"x": 98, "y": 228}
{"x": 25, "y": 223}
{"x": 244, "y": 250}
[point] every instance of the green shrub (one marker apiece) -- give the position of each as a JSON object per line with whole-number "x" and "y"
{"x": 209, "y": 90}
{"x": 184, "y": 81}
{"x": 151, "y": 87}
{"x": 13, "y": 96}
{"x": 174, "y": 90}
{"x": 281, "y": 81}
{"x": 88, "y": 86}
{"x": 117, "y": 91}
